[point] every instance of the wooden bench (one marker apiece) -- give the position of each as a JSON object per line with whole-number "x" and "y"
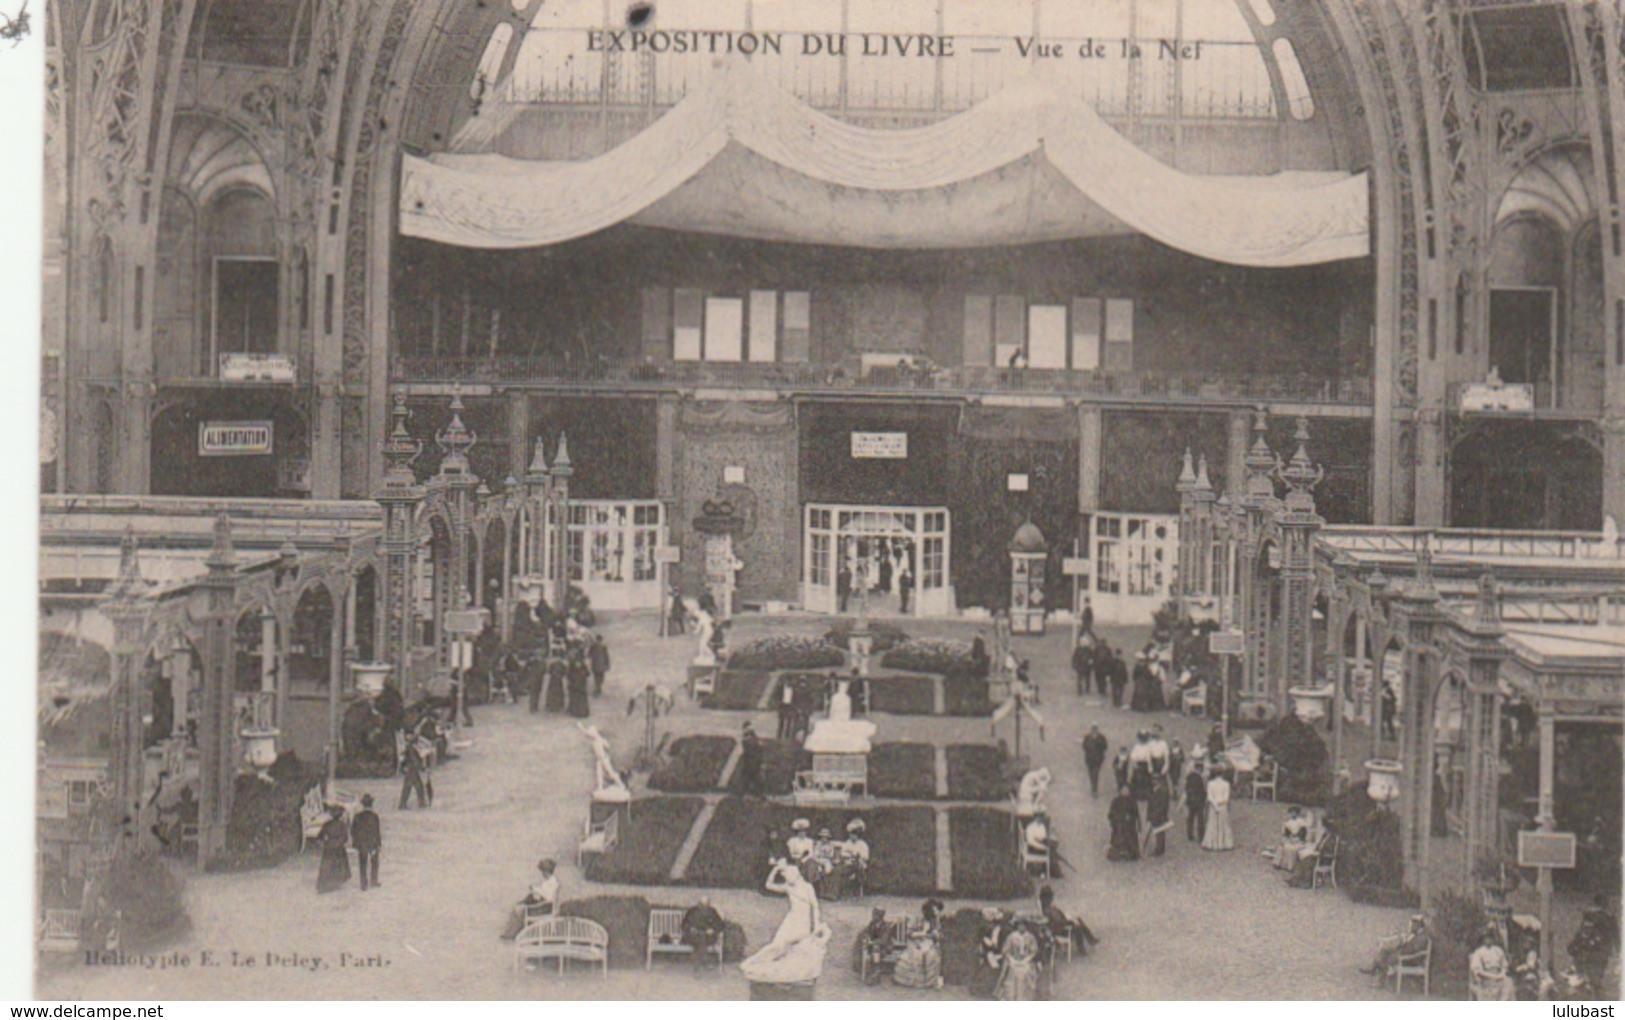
{"x": 598, "y": 838}
{"x": 666, "y": 937}
{"x": 562, "y": 939}
{"x": 822, "y": 788}
{"x": 59, "y": 931}
{"x": 880, "y": 955}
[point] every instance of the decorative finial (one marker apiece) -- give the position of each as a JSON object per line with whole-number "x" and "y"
{"x": 456, "y": 439}
{"x": 1203, "y": 484}
{"x": 537, "y": 472}
{"x": 400, "y": 449}
{"x": 1187, "y": 473}
{"x": 129, "y": 584}
{"x": 222, "y": 555}
{"x": 1489, "y": 600}
{"x": 1377, "y": 582}
{"x": 1301, "y": 475}
{"x": 1261, "y": 462}
{"x": 1424, "y": 560}
{"x": 561, "y": 461}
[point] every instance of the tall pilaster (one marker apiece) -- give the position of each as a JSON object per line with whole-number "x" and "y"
{"x": 1299, "y": 525}
{"x": 216, "y": 739}
{"x": 1091, "y": 438}
{"x": 1419, "y": 607}
{"x": 1431, "y": 497}
{"x": 130, "y": 612}
{"x": 1483, "y": 779}
{"x": 1239, "y": 431}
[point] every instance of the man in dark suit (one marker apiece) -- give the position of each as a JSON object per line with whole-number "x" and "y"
{"x": 1095, "y": 747}
{"x": 367, "y": 836}
{"x": 1195, "y": 804}
{"x": 750, "y": 762}
{"x": 1119, "y": 675}
{"x": 598, "y": 659}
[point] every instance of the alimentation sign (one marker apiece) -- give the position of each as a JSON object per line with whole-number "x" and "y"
{"x": 234, "y": 438}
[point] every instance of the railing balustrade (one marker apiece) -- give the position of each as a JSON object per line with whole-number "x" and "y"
{"x": 623, "y": 374}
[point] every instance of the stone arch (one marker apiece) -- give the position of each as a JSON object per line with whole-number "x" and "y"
{"x": 364, "y": 639}
{"x": 249, "y": 650}
{"x": 315, "y": 615}
{"x": 172, "y": 687}
{"x": 493, "y": 553}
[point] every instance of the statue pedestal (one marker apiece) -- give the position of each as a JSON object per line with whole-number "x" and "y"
{"x": 611, "y": 802}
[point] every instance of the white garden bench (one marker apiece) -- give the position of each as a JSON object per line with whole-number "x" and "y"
{"x": 562, "y": 939}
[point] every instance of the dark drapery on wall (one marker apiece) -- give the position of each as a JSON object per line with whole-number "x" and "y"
{"x": 995, "y": 443}
{"x": 1524, "y": 475}
{"x": 612, "y": 443}
{"x": 1142, "y": 452}
{"x": 1343, "y": 447}
{"x": 178, "y": 469}
{"x": 830, "y": 474}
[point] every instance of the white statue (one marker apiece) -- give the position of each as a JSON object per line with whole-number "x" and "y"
{"x": 607, "y": 781}
{"x": 840, "y": 703}
{"x": 705, "y": 626}
{"x": 1030, "y": 794}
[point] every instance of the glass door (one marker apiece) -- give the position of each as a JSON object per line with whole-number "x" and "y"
{"x": 818, "y": 568}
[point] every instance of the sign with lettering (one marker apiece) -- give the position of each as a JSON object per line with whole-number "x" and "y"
{"x": 879, "y": 445}
{"x": 1226, "y": 642}
{"x": 1075, "y": 566}
{"x": 270, "y": 368}
{"x": 668, "y": 554}
{"x": 234, "y": 439}
{"x": 466, "y": 621}
{"x": 1546, "y": 849}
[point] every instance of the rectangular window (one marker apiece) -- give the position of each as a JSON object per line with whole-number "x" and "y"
{"x": 1119, "y": 335}
{"x": 978, "y": 330}
{"x": 245, "y": 306}
{"x": 1009, "y": 327}
{"x": 724, "y": 329}
{"x": 688, "y": 315}
{"x": 764, "y": 325}
{"x": 1085, "y": 334}
{"x": 797, "y": 327}
{"x": 656, "y": 323}
{"x": 1046, "y": 336}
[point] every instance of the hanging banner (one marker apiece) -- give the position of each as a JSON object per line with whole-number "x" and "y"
{"x": 234, "y": 439}
{"x": 880, "y": 445}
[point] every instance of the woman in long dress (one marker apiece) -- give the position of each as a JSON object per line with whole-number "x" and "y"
{"x": 1218, "y": 836}
{"x": 1019, "y": 980}
{"x": 334, "y": 872}
{"x": 1124, "y": 816}
{"x": 800, "y": 921}
{"x": 920, "y": 966}
{"x": 1294, "y": 840}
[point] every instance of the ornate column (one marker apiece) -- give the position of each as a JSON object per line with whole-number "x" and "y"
{"x": 399, "y": 495}
{"x": 458, "y": 483}
{"x": 130, "y": 611}
{"x": 218, "y": 718}
{"x": 1258, "y": 506}
{"x": 538, "y": 496}
{"x": 1186, "y": 487}
{"x": 1421, "y": 612}
{"x": 1203, "y": 506}
{"x": 1483, "y": 779}
{"x": 1299, "y": 524}
{"x": 562, "y": 470}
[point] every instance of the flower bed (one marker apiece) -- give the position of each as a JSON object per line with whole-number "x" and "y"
{"x": 786, "y": 652}
{"x": 903, "y": 695}
{"x": 902, "y": 841}
{"x": 904, "y": 771}
{"x": 976, "y": 772}
{"x": 263, "y": 829}
{"x": 694, "y": 764}
{"x": 985, "y": 863}
{"x": 884, "y": 636}
{"x": 737, "y": 690}
{"x": 930, "y": 655}
{"x": 649, "y": 841}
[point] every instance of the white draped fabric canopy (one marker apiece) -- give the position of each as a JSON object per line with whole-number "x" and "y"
{"x": 739, "y": 156}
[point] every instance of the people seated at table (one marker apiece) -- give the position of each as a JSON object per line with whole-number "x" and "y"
{"x": 541, "y": 898}
{"x": 920, "y": 966}
{"x": 1414, "y": 939}
{"x": 1063, "y": 928}
{"x": 1488, "y": 977}
{"x": 702, "y": 928}
{"x": 1294, "y": 840}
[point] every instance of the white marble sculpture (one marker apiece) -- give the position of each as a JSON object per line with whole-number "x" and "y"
{"x": 705, "y": 626}
{"x": 607, "y": 782}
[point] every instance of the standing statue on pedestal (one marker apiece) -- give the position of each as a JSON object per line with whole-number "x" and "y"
{"x": 607, "y": 782}
{"x": 706, "y": 626}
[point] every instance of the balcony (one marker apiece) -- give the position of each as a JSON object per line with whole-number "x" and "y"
{"x": 962, "y": 382}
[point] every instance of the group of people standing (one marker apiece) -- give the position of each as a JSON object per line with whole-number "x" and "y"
{"x": 561, "y": 663}
{"x": 1151, "y": 779}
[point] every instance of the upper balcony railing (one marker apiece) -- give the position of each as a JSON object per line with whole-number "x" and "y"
{"x": 962, "y": 380}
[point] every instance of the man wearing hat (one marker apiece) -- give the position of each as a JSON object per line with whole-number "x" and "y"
{"x": 367, "y": 836}
{"x": 991, "y": 959}
{"x": 855, "y": 856}
{"x": 1414, "y": 939}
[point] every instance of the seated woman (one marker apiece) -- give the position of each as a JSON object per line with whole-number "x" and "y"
{"x": 541, "y": 898}
{"x": 1294, "y": 840}
{"x": 1488, "y": 979}
{"x": 920, "y": 966}
{"x": 1019, "y": 980}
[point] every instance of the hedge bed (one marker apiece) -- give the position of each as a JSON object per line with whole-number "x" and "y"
{"x": 965, "y": 695}
{"x": 976, "y": 772}
{"x": 649, "y": 841}
{"x": 985, "y": 863}
{"x": 903, "y": 858}
{"x": 737, "y": 690}
{"x": 903, "y": 694}
{"x": 903, "y": 771}
{"x": 781, "y": 760}
{"x": 626, "y": 920}
{"x": 694, "y": 764}
{"x": 930, "y": 655}
{"x": 776, "y": 653}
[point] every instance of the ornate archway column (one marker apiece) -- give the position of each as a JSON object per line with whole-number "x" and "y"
{"x": 1258, "y": 507}
{"x": 131, "y": 612}
{"x": 1298, "y": 525}
{"x": 1481, "y": 640}
{"x": 1419, "y": 609}
{"x": 400, "y": 495}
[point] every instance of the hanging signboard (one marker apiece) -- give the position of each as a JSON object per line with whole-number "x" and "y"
{"x": 1226, "y": 642}
{"x": 234, "y": 439}
{"x": 1546, "y": 849}
{"x": 880, "y": 446}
